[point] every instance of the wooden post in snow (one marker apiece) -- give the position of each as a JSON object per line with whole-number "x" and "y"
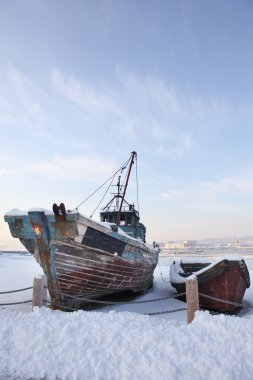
{"x": 192, "y": 297}
{"x": 40, "y": 291}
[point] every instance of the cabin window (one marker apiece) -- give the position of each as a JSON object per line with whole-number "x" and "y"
{"x": 128, "y": 221}
{"x": 110, "y": 219}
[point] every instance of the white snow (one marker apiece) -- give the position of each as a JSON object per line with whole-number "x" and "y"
{"x": 121, "y": 342}
{"x": 16, "y": 212}
{"x": 110, "y": 225}
{"x": 39, "y": 209}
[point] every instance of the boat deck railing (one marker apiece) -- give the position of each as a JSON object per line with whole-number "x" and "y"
{"x": 115, "y": 209}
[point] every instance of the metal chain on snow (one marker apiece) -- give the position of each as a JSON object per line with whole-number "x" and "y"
{"x": 115, "y": 302}
{"x": 151, "y": 314}
{"x": 158, "y": 299}
{"x": 88, "y": 300}
{"x": 166, "y": 312}
{"x": 111, "y": 303}
{"x": 179, "y": 295}
{"x": 15, "y": 291}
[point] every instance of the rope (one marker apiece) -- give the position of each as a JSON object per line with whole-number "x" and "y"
{"x": 166, "y": 282}
{"x": 221, "y": 300}
{"x": 15, "y": 303}
{"x": 121, "y": 168}
{"x": 15, "y": 291}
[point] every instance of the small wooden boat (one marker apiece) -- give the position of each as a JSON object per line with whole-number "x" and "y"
{"x": 221, "y": 284}
{"x": 84, "y": 259}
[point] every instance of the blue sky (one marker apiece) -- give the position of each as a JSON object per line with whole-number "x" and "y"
{"x": 84, "y": 83}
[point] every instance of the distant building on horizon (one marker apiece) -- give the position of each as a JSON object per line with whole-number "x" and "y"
{"x": 186, "y": 244}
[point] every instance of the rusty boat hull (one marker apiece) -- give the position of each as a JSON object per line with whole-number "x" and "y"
{"x": 83, "y": 260}
{"x": 221, "y": 284}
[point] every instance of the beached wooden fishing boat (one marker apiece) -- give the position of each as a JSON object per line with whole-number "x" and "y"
{"x": 221, "y": 284}
{"x": 84, "y": 259}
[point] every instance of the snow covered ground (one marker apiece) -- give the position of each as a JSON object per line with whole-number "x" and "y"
{"x": 119, "y": 342}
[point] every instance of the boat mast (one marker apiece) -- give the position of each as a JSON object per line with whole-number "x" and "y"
{"x": 134, "y": 154}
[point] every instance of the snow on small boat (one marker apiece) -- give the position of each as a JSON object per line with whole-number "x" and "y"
{"x": 221, "y": 284}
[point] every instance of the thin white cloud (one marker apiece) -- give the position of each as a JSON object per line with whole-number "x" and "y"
{"x": 140, "y": 109}
{"x": 130, "y": 128}
{"x": 109, "y": 13}
{"x": 233, "y": 186}
{"x": 5, "y": 172}
{"x": 154, "y": 93}
{"x": 79, "y": 167}
{"x": 3, "y": 102}
{"x": 21, "y": 103}
{"x": 175, "y": 109}
{"x": 90, "y": 98}
{"x": 145, "y": 109}
{"x": 220, "y": 193}
{"x": 60, "y": 167}
{"x": 8, "y": 166}
{"x": 27, "y": 95}
{"x": 173, "y": 194}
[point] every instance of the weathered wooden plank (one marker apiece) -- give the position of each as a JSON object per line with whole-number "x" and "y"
{"x": 192, "y": 297}
{"x": 39, "y": 291}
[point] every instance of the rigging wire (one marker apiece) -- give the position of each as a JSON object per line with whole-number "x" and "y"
{"x": 137, "y": 185}
{"x": 123, "y": 183}
{"x": 120, "y": 169}
{"x": 103, "y": 196}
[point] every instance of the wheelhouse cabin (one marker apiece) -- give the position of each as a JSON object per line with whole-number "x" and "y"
{"x": 129, "y": 220}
